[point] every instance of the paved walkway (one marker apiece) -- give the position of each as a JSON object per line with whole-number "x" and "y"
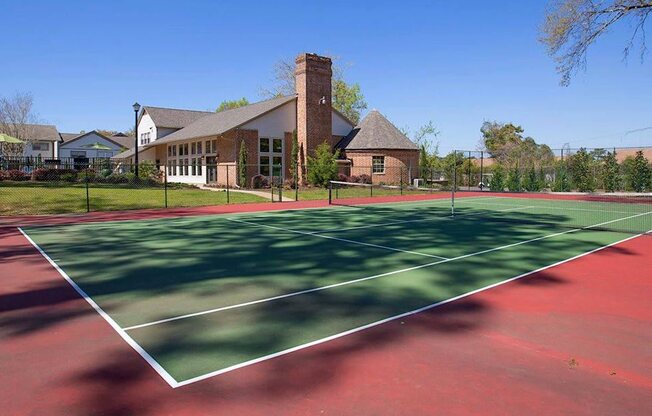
{"x": 263, "y": 194}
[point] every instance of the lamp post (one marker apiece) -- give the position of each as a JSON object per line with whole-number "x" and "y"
{"x": 136, "y": 110}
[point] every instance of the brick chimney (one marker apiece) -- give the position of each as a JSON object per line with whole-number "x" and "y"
{"x": 314, "y": 112}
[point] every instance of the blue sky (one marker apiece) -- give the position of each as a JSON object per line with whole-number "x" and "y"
{"x": 455, "y": 63}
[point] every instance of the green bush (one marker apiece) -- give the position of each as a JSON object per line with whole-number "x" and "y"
{"x": 69, "y": 177}
{"x": 611, "y": 173}
{"x": 322, "y": 168}
{"x": 638, "y": 175}
{"x": 497, "y": 181}
{"x": 514, "y": 180}
{"x": 581, "y": 166}
{"x": 531, "y": 181}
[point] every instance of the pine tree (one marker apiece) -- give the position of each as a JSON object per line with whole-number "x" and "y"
{"x": 610, "y": 173}
{"x": 581, "y": 169}
{"x": 514, "y": 180}
{"x": 561, "y": 183}
{"x": 530, "y": 182}
{"x": 639, "y": 176}
{"x": 242, "y": 164}
{"x": 322, "y": 168}
{"x": 497, "y": 181}
{"x": 295, "y": 157}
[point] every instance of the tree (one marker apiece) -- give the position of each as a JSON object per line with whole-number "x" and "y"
{"x": 505, "y": 143}
{"x": 561, "y": 183}
{"x": 242, "y": 164}
{"x": 610, "y": 172}
{"x": 514, "y": 180}
{"x": 230, "y": 104}
{"x": 581, "y": 166}
{"x": 295, "y": 157}
{"x": 322, "y": 168}
{"x": 104, "y": 132}
{"x": 639, "y": 174}
{"x": 497, "y": 181}
{"x": 16, "y": 114}
{"x": 531, "y": 181}
{"x": 572, "y": 26}
{"x": 346, "y": 98}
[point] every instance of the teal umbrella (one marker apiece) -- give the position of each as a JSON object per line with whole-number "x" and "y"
{"x": 97, "y": 146}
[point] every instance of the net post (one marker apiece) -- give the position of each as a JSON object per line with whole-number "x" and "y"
{"x": 227, "y": 184}
{"x": 454, "y": 183}
{"x": 330, "y": 192}
{"x": 88, "y": 200}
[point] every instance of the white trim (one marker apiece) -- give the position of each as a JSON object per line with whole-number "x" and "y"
{"x": 133, "y": 344}
{"x": 386, "y": 320}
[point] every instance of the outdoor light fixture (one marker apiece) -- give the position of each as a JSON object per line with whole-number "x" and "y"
{"x": 136, "y": 107}
{"x": 322, "y": 100}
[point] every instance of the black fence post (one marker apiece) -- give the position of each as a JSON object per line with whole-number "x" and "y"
{"x": 468, "y": 172}
{"x": 228, "y": 199}
{"x": 88, "y": 200}
{"x": 280, "y": 184}
{"x": 165, "y": 185}
{"x": 432, "y": 179}
{"x": 371, "y": 179}
{"x": 454, "y": 183}
{"x": 296, "y": 181}
{"x": 481, "y": 170}
{"x": 400, "y": 172}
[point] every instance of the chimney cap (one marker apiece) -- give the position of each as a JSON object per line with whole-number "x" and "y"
{"x": 313, "y": 57}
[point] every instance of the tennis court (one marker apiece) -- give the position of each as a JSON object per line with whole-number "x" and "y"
{"x": 201, "y": 296}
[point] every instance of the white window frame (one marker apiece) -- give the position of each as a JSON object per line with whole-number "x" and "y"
{"x": 271, "y": 155}
{"x": 374, "y": 165}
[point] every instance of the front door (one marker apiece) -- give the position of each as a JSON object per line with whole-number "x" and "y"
{"x": 211, "y": 169}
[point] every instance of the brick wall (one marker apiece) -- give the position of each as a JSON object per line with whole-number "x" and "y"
{"x": 400, "y": 165}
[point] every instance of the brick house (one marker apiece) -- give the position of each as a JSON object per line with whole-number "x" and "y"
{"x": 202, "y": 147}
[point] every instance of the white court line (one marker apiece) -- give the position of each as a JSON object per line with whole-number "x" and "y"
{"x": 362, "y": 279}
{"x": 133, "y": 344}
{"x": 345, "y": 240}
{"x": 386, "y": 320}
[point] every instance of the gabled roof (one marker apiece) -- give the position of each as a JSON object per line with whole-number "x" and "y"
{"x": 43, "y": 132}
{"x": 218, "y": 123}
{"x": 376, "y": 132}
{"x": 123, "y": 140}
{"x": 68, "y": 138}
{"x": 173, "y": 117}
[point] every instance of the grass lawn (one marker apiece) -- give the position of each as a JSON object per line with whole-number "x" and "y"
{"x": 28, "y": 198}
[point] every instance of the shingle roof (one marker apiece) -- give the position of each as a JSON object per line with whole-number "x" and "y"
{"x": 66, "y": 137}
{"x": 376, "y": 132}
{"x": 174, "y": 117}
{"x": 44, "y": 132}
{"x": 122, "y": 140}
{"x": 218, "y": 123}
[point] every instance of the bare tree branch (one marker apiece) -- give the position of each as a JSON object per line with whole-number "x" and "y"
{"x": 572, "y": 26}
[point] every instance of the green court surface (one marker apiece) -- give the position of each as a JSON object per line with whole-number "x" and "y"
{"x": 204, "y": 295}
